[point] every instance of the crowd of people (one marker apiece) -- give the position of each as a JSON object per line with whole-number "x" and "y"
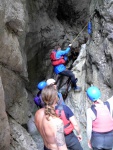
{"x": 62, "y": 111}
{"x": 56, "y": 122}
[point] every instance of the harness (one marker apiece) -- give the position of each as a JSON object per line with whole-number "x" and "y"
{"x": 68, "y": 127}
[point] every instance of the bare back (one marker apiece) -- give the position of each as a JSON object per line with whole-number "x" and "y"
{"x": 51, "y": 131}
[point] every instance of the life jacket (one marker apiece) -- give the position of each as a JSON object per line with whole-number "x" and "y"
{"x": 104, "y": 120}
{"x": 56, "y": 61}
{"x": 68, "y": 127}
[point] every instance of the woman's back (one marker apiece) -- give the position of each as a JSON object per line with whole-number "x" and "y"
{"x": 50, "y": 130}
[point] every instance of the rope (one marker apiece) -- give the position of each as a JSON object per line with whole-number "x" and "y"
{"x": 79, "y": 33}
{"x": 86, "y": 23}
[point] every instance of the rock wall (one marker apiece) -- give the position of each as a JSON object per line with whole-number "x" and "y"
{"x": 4, "y": 124}
{"x": 99, "y": 51}
{"x": 97, "y": 68}
{"x": 29, "y": 30}
{"x": 13, "y": 72}
{"x": 52, "y": 22}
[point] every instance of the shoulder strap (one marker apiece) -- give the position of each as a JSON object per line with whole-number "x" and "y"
{"x": 38, "y": 94}
{"x": 60, "y": 108}
{"x": 107, "y": 104}
{"x": 94, "y": 110}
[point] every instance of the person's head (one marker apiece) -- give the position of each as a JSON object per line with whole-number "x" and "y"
{"x": 50, "y": 98}
{"x": 57, "y": 47}
{"x": 93, "y": 93}
{"x": 51, "y": 82}
{"x": 41, "y": 85}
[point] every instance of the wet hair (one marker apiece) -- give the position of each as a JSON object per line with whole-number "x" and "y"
{"x": 49, "y": 96}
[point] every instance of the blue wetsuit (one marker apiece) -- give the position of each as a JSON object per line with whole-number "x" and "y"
{"x": 61, "y": 69}
{"x": 59, "y": 54}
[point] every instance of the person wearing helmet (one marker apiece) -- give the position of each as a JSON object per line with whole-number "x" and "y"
{"x": 53, "y": 82}
{"x": 41, "y": 85}
{"x": 69, "y": 120}
{"x": 38, "y": 99}
{"x": 99, "y": 121}
{"x": 47, "y": 122}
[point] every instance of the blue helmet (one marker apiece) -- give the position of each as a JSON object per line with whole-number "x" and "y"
{"x": 93, "y": 93}
{"x": 41, "y": 85}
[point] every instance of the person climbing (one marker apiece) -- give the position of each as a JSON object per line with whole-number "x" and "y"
{"x": 60, "y": 68}
{"x": 53, "y": 82}
{"x": 99, "y": 121}
{"x": 70, "y": 123}
{"x": 38, "y": 99}
{"x": 48, "y": 124}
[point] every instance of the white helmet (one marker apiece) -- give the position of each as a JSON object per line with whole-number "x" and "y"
{"x": 50, "y": 81}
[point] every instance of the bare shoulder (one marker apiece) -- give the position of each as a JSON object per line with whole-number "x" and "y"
{"x": 39, "y": 112}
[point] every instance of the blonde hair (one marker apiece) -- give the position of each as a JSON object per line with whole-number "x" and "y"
{"x": 49, "y": 96}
